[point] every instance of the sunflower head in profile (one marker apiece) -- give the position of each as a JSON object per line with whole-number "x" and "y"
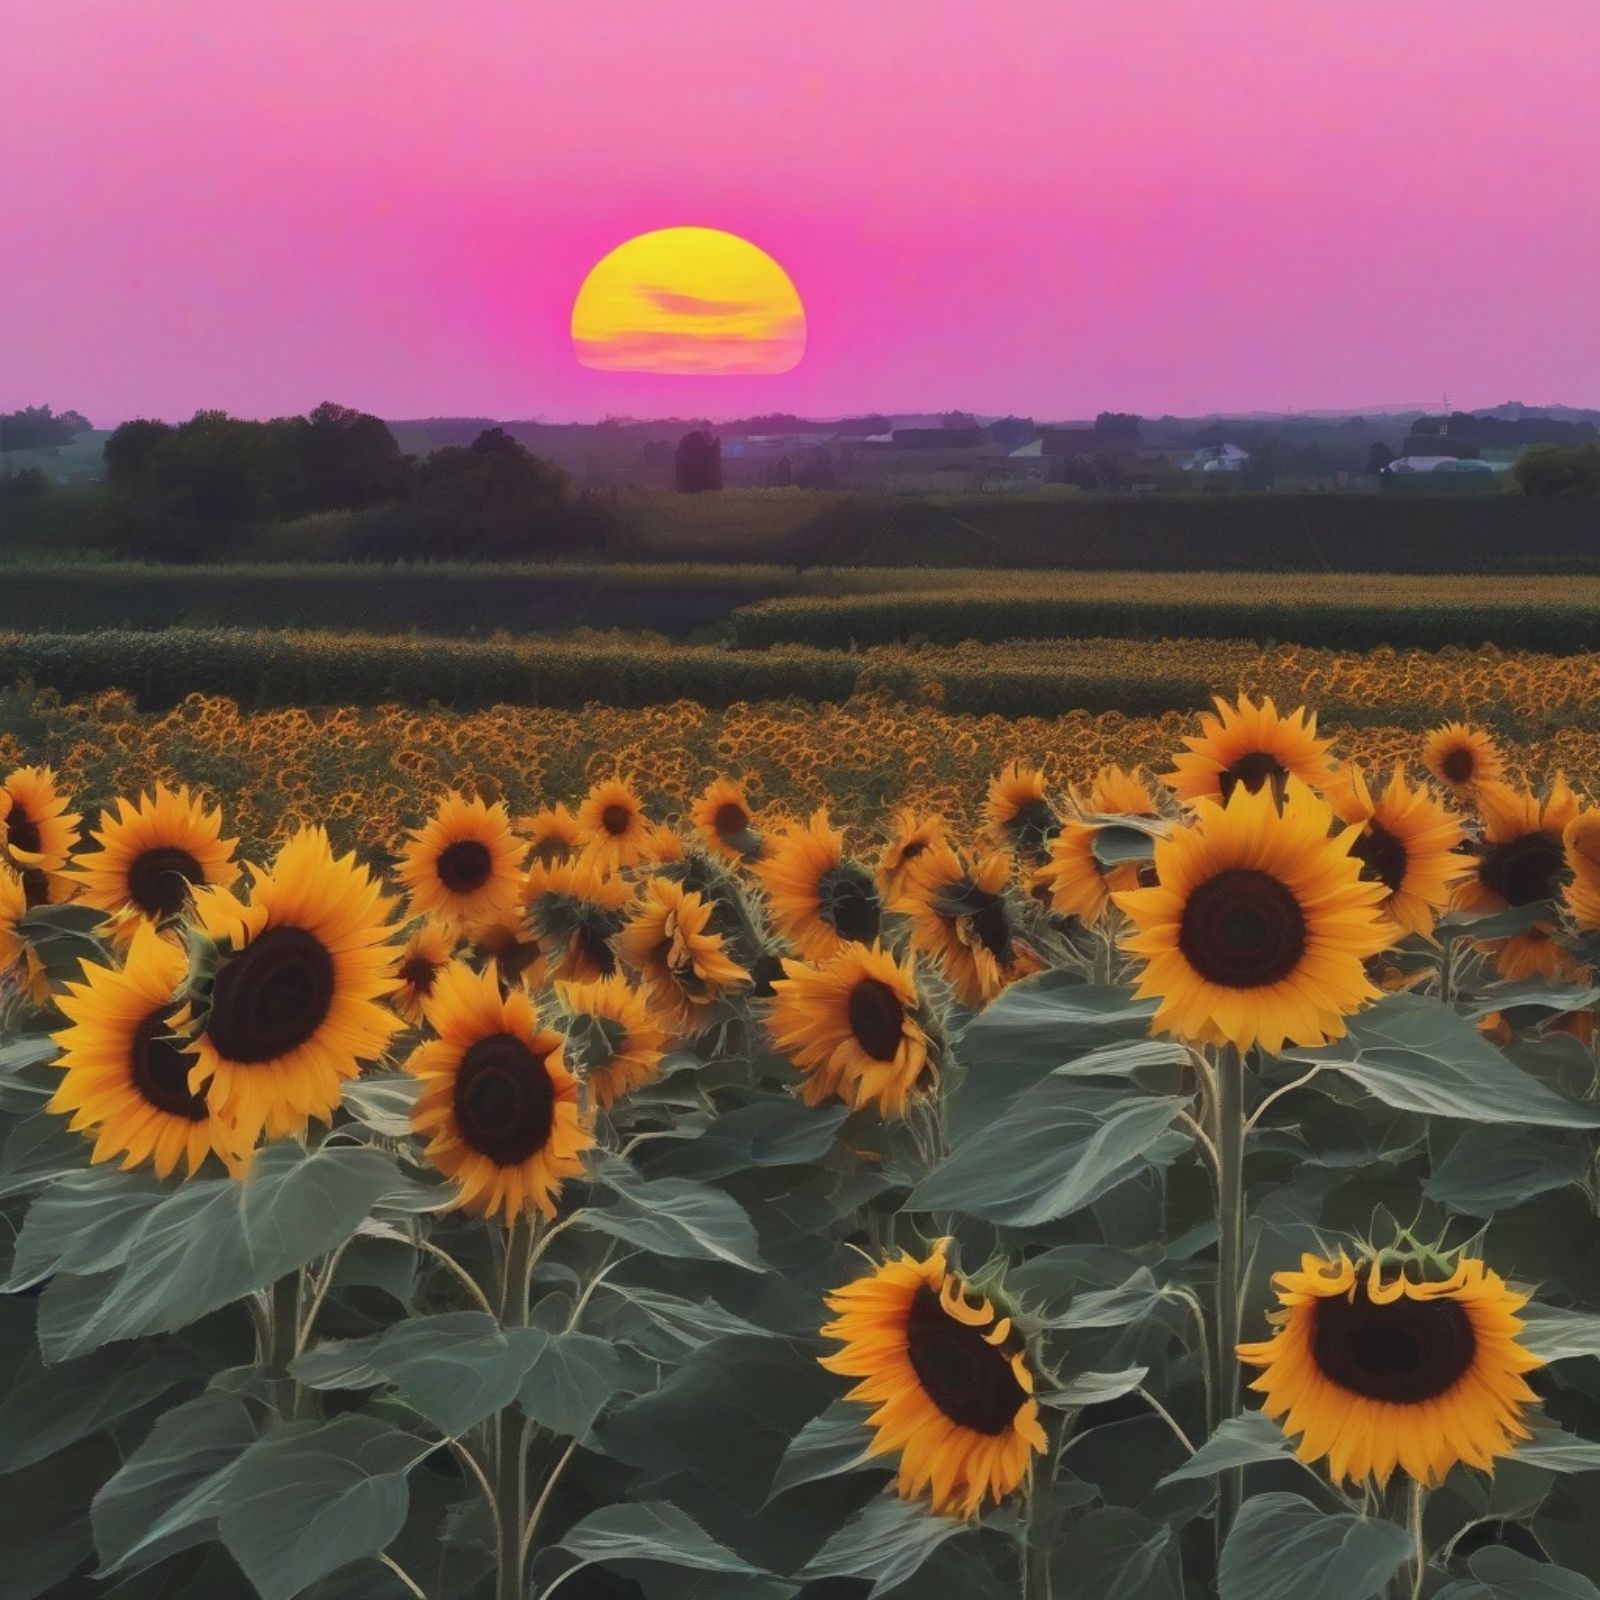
{"x": 1075, "y": 882}
{"x": 1258, "y": 924}
{"x": 723, "y": 819}
{"x": 422, "y": 958}
{"x": 1018, "y": 810}
{"x": 684, "y": 963}
{"x": 1378, "y": 1368}
{"x": 36, "y": 829}
{"x": 911, "y": 834}
{"x": 153, "y": 853}
{"x": 552, "y": 834}
{"x": 1460, "y": 756}
{"x": 948, "y": 1377}
{"x": 962, "y": 919}
{"x": 287, "y": 990}
{"x": 463, "y": 866}
{"x": 612, "y": 1042}
{"x": 818, "y": 898}
{"x": 126, "y": 1066}
{"x": 1581, "y": 839}
{"x": 1117, "y": 792}
{"x": 574, "y": 909}
{"x": 1405, "y": 840}
{"x": 614, "y": 825}
{"x": 21, "y": 971}
{"x": 505, "y": 944}
{"x": 499, "y": 1110}
{"x": 858, "y": 1028}
{"x": 1252, "y": 747}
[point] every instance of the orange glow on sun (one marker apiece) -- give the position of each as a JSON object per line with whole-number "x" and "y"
{"x": 688, "y": 300}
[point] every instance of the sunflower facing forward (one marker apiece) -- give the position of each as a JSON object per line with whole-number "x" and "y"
{"x": 1251, "y": 747}
{"x": 722, "y": 818}
{"x": 424, "y": 957}
{"x": 125, "y": 1066}
{"x": 613, "y": 822}
{"x": 1257, "y": 927}
{"x": 463, "y": 865}
{"x": 817, "y": 897}
{"x": 288, "y": 988}
{"x": 499, "y": 1109}
{"x": 949, "y": 1379}
{"x": 686, "y": 967}
{"x": 961, "y": 918}
{"x": 1460, "y": 756}
{"x": 611, "y": 1039}
{"x": 1019, "y": 812}
{"x": 36, "y": 829}
{"x": 857, "y": 1028}
{"x": 152, "y": 854}
{"x": 1376, "y": 1373}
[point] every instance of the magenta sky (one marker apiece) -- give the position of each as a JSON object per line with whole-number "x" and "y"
{"x": 1051, "y": 206}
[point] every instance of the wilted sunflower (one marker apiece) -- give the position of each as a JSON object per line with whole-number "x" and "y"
{"x": 288, "y": 988}
{"x": 1460, "y": 756}
{"x": 552, "y": 833}
{"x": 613, "y": 822}
{"x": 1375, "y": 1374}
{"x": 499, "y": 1109}
{"x": 463, "y": 865}
{"x": 961, "y": 918}
{"x": 420, "y": 962}
{"x": 721, "y": 816}
{"x": 949, "y": 1379}
{"x": 39, "y": 830}
{"x": 910, "y": 836}
{"x": 817, "y": 897}
{"x": 1258, "y": 924}
{"x": 685, "y": 966}
{"x": 574, "y": 909}
{"x": 152, "y": 853}
{"x": 611, "y": 1040}
{"x": 857, "y": 1027}
{"x": 20, "y": 968}
{"x": 126, "y": 1082}
{"x": 1018, "y": 810}
{"x": 1406, "y": 840}
{"x": 1252, "y": 747}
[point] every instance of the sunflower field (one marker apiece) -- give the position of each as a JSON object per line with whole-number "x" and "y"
{"x": 800, "y": 1154}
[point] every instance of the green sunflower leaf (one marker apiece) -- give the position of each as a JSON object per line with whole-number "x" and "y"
{"x": 1490, "y": 1169}
{"x": 886, "y": 1543}
{"x": 650, "y": 1531}
{"x": 674, "y": 1217}
{"x": 1238, "y": 1442}
{"x": 1282, "y": 1547}
{"x": 569, "y": 1381}
{"x": 1499, "y": 1573}
{"x": 1114, "y": 1554}
{"x": 1557, "y": 1334}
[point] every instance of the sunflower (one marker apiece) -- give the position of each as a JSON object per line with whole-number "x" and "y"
{"x": 721, "y": 817}
{"x": 949, "y": 1378}
{"x": 126, "y": 1067}
{"x": 518, "y": 960}
{"x": 613, "y": 822}
{"x": 1375, "y": 1374}
{"x": 961, "y": 918}
{"x": 1252, "y": 747}
{"x": 911, "y": 836}
{"x": 685, "y": 966}
{"x": 152, "y": 853}
{"x": 1405, "y": 840}
{"x": 1077, "y": 883}
{"x": 420, "y": 962}
{"x": 20, "y": 967}
{"x": 464, "y": 864}
{"x": 1117, "y": 792}
{"x": 1581, "y": 839}
{"x": 552, "y": 833}
{"x": 1018, "y": 810}
{"x": 575, "y": 909}
{"x": 857, "y": 1027}
{"x": 288, "y": 988}
{"x": 499, "y": 1109}
{"x": 1258, "y": 924}
{"x": 39, "y": 830}
{"x": 611, "y": 1040}
{"x": 1460, "y": 756}
{"x": 817, "y": 898}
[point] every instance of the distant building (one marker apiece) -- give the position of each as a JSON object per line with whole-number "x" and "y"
{"x": 1438, "y": 474}
{"x": 1218, "y": 458}
{"x": 973, "y": 438}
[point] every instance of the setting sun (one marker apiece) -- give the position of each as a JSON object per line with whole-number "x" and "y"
{"x": 688, "y": 300}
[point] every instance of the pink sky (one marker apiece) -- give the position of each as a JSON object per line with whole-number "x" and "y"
{"x": 1048, "y": 206}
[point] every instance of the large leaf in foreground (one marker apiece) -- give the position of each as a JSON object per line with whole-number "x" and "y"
{"x": 1499, "y": 1573}
{"x": 674, "y": 1217}
{"x": 886, "y": 1542}
{"x": 1284, "y": 1548}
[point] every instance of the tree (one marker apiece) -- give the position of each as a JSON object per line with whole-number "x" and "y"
{"x": 1012, "y": 432}
{"x": 39, "y": 428}
{"x": 1378, "y": 457}
{"x": 697, "y": 464}
{"x": 1559, "y": 472}
{"x": 128, "y": 451}
{"x": 1117, "y": 425}
{"x": 348, "y": 460}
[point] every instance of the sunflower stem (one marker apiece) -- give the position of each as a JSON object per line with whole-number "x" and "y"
{"x": 510, "y": 1458}
{"x": 283, "y": 1332}
{"x": 1418, "y": 1543}
{"x": 1230, "y": 1253}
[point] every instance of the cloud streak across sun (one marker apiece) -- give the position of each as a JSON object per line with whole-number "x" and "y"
{"x": 691, "y": 301}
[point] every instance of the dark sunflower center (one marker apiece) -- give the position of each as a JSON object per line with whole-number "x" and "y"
{"x": 1242, "y": 929}
{"x": 913, "y": 850}
{"x": 1033, "y": 822}
{"x": 1524, "y": 870}
{"x": 464, "y": 866}
{"x": 730, "y": 817}
{"x": 876, "y": 1018}
{"x": 992, "y": 924}
{"x": 1406, "y": 1352}
{"x": 1460, "y": 764}
{"x": 616, "y": 819}
{"x": 969, "y": 1381}
{"x": 1383, "y": 857}
{"x": 849, "y": 904}
{"x": 159, "y": 879}
{"x": 551, "y": 851}
{"x": 22, "y": 833}
{"x": 161, "y": 1070}
{"x": 593, "y": 943}
{"x": 503, "y": 1099}
{"x": 272, "y": 996}
{"x": 1253, "y": 771}
{"x": 418, "y": 974}
{"x": 35, "y": 887}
